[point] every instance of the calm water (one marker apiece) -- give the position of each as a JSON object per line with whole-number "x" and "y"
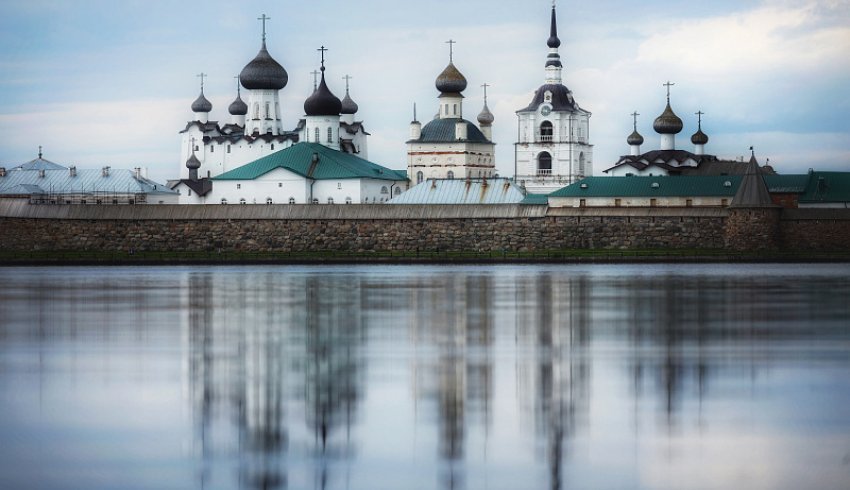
{"x": 503, "y": 377}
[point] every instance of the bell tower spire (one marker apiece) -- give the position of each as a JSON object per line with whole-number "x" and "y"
{"x": 553, "y": 60}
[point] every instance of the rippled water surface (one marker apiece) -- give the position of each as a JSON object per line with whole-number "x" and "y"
{"x": 415, "y": 377}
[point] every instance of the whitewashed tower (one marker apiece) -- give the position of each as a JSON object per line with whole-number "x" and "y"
{"x": 554, "y": 147}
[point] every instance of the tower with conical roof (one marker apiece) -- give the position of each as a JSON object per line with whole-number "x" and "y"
{"x": 322, "y": 109}
{"x": 263, "y": 77}
{"x": 553, "y": 149}
{"x": 449, "y": 146}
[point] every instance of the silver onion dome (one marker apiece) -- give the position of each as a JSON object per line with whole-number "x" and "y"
{"x": 451, "y": 80}
{"x": 668, "y": 122}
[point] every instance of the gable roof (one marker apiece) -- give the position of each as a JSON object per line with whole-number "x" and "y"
{"x": 84, "y": 181}
{"x": 658, "y": 186}
{"x": 298, "y": 158}
{"x": 456, "y": 191}
{"x": 827, "y": 187}
{"x": 39, "y": 164}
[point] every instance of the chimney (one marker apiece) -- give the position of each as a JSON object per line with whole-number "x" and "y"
{"x": 137, "y": 172}
{"x": 72, "y": 171}
{"x": 2, "y": 171}
{"x": 105, "y": 171}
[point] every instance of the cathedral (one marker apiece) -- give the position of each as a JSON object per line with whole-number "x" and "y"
{"x": 554, "y": 147}
{"x": 256, "y": 130}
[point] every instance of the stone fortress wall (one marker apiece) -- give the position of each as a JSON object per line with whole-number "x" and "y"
{"x": 413, "y": 228}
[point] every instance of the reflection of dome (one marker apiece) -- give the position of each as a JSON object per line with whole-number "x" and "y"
{"x": 322, "y": 102}
{"x": 634, "y": 139}
{"x": 193, "y": 163}
{"x": 699, "y": 138}
{"x": 238, "y": 107}
{"x": 486, "y": 117}
{"x": 451, "y": 80}
{"x": 263, "y": 73}
{"x": 201, "y": 104}
{"x": 668, "y": 122}
{"x": 348, "y": 105}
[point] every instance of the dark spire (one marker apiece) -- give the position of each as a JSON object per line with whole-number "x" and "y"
{"x": 752, "y": 192}
{"x": 553, "y": 41}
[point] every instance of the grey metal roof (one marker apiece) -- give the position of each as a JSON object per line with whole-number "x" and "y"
{"x": 443, "y": 131}
{"x": 450, "y": 191}
{"x": 562, "y": 98}
{"x": 85, "y": 181}
{"x": 39, "y": 164}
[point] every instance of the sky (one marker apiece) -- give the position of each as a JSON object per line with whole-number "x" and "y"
{"x": 111, "y": 83}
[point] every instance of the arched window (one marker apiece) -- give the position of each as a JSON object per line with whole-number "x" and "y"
{"x": 277, "y": 110}
{"x": 454, "y": 109}
{"x": 544, "y": 164}
{"x": 450, "y": 175}
{"x": 581, "y": 163}
{"x": 256, "y": 110}
{"x": 546, "y": 131}
{"x": 397, "y": 191}
{"x": 316, "y": 132}
{"x": 269, "y": 200}
{"x": 242, "y": 201}
{"x": 347, "y": 200}
{"x": 315, "y": 200}
{"x": 223, "y": 200}
{"x": 384, "y": 190}
{"x": 330, "y": 135}
{"x": 419, "y": 177}
{"x": 268, "y": 111}
{"x": 330, "y": 200}
{"x": 291, "y": 200}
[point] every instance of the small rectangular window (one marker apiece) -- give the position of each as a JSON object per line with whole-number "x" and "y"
{"x": 582, "y": 203}
{"x": 724, "y": 202}
{"x": 653, "y": 202}
{"x": 238, "y": 186}
{"x": 212, "y": 148}
{"x": 617, "y": 203}
{"x": 689, "y": 202}
{"x": 228, "y": 148}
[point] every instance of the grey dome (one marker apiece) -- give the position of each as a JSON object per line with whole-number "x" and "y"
{"x": 699, "y": 138}
{"x": 322, "y": 102}
{"x": 201, "y": 104}
{"x": 263, "y": 73}
{"x": 634, "y": 139}
{"x": 485, "y": 118}
{"x": 348, "y": 105}
{"x": 193, "y": 163}
{"x": 238, "y": 107}
{"x": 451, "y": 80}
{"x": 668, "y": 122}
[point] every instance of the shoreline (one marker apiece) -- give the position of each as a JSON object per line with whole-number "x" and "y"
{"x": 634, "y": 256}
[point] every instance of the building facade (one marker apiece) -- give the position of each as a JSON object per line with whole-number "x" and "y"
{"x": 554, "y": 147}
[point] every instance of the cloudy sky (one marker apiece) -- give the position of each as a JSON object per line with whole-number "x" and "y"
{"x": 104, "y": 82}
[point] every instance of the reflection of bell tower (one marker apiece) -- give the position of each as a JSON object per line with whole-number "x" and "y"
{"x": 553, "y": 319}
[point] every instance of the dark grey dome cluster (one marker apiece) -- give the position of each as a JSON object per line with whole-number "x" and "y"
{"x": 634, "y": 139}
{"x": 201, "y": 104}
{"x": 668, "y": 122}
{"x": 486, "y": 118}
{"x": 238, "y": 107}
{"x": 263, "y": 73}
{"x": 322, "y": 102}
{"x": 451, "y": 80}
{"x": 699, "y": 138}
{"x": 348, "y": 105}
{"x": 193, "y": 163}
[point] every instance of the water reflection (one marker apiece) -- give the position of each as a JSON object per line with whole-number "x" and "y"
{"x": 425, "y": 377}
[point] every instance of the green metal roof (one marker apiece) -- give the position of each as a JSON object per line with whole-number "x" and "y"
{"x": 333, "y": 165}
{"x": 660, "y": 186}
{"x": 534, "y": 199}
{"x": 827, "y": 187}
{"x": 794, "y": 183}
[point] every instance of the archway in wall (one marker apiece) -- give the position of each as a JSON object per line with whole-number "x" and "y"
{"x": 544, "y": 163}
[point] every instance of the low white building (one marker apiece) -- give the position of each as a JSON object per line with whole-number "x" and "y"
{"x": 305, "y": 173}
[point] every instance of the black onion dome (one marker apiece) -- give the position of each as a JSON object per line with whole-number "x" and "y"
{"x": 193, "y": 163}
{"x": 238, "y": 107}
{"x": 322, "y": 102}
{"x": 699, "y": 138}
{"x": 263, "y": 73}
{"x": 486, "y": 117}
{"x": 451, "y": 80}
{"x": 634, "y": 139}
{"x": 668, "y": 122}
{"x": 348, "y": 105}
{"x": 201, "y": 104}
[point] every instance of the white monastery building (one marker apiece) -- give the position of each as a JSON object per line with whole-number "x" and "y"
{"x": 554, "y": 147}
{"x": 449, "y": 146}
